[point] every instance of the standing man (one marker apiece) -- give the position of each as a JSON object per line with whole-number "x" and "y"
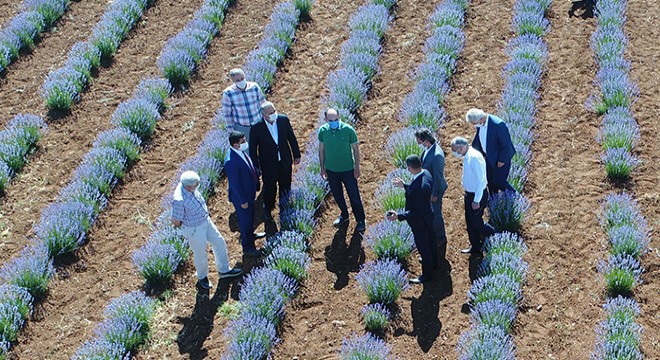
{"x": 243, "y": 179}
{"x": 273, "y": 149}
{"x": 433, "y": 160}
{"x": 339, "y": 155}
{"x": 493, "y": 141}
{"x": 476, "y": 193}
{"x": 419, "y": 215}
{"x": 241, "y": 102}
{"x": 191, "y": 216}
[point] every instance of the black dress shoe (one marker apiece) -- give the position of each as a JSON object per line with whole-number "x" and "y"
{"x": 419, "y": 280}
{"x": 470, "y": 251}
{"x": 252, "y": 253}
{"x": 259, "y": 235}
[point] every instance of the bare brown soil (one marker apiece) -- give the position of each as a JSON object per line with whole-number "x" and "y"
{"x": 564, "y": 293}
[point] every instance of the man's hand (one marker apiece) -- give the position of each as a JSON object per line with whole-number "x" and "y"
{"x": 475, "y": 205}
{"x": 176, "y": 223}
{"x": 392, "y": 215}
{"x": 434, "y": 198}
{"x": 356, "y": 172}
{"x": 244, "y": 206}
{"x": 296, "y": 161}
{"x": 397, "y": 182}
{"x": 500, "y": 164}
{"x": 323, "y": 174}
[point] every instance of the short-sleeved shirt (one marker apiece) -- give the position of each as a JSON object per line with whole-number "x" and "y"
{"x": 189, "y": 208}
{"x": 338, "y": 154}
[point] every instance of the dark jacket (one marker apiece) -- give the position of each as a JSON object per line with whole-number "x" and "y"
{"x": 434, "y": 162}
{"x": 243, "y": 183}
{"x": 499, "y": 147}
{"x": 264, "y": 150}
{"x": 418, "y": 212}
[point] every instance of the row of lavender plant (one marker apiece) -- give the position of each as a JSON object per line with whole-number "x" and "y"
{"x": 384, "y": 280}
{"x": 619, "y": 132}
{"x": 17, "y": 142}
{"x": 35, "y": 17}
{"x": 494, "y": 297}
{"x": 63, "y": 86}
{"x": 64, "y": 224}
{"x": 618, "y": 336}
{"x": 253, "y": 334}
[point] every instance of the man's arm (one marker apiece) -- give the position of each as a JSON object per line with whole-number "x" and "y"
{"x": 439, "y": 182}
{"x": 504, "y": 138}
{"x": 479, "y": 172}
{"x": 226, "y": 111}
{"x": 293, "y": 141}
{"x": 177, "y": 213}
{"x": 322, "y": 158}
{"x": 356, "y": 159}
{"x": 260, "y": 95}
{"x": 253, "y": 145}
{"x": 235, "y": 180}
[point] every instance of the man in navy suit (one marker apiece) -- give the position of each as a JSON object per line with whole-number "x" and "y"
{"x": 493, "y": 141}
{"x": 273, "y": 149}
{"x": 243, "y": 178}
{"x": 419, "y": 215}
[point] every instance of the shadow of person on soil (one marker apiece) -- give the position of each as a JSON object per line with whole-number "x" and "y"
{"x": 475, "y": 261}
{"x": 425, "y": 309}
{"x": 198, "y": 326}
{"x": 341, "y": 258}
{"x": 587, "y": 6}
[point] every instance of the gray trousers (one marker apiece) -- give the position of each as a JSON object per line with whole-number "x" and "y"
{"x": 244, "y": 129}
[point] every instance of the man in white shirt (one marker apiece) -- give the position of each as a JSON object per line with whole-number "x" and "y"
{"x": 476, "y": 193}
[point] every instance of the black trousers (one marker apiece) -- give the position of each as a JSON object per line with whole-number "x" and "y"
{"x": 427, "y": 247}
{"x": 439, "y": 231}
{"x": 497, "y": 178}
{"x": 476, "y": 228}
{"x": 274, "y": 179}
{"x": 348, "y": 180}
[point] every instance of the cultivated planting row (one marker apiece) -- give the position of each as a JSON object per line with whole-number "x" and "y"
{"x": 64, "y": 224}
{"x": 17, "y": 142}
{"x": 384, "y": 280}
{"x": 494, "y": 297}
{"x": 63, "y": 86}
{"x": 24, "y": 29}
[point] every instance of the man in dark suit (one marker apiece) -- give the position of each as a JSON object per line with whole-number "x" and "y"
{"x": 243, "y": 178}
{"x": 419, "y": 215}
{"x": 273, "y": 149}
{"x": 493, "y": 141}
{"x": 433, "y": 160}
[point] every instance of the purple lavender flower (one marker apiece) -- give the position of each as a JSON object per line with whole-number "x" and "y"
{"x": 619, "y": 164}
{"x": 608, "y": 42}
{"x": 123, "y": 331}
{"x": 375, "y": 317}
{"x": 51, "y": 10}
{"x": 97, "y": 177}
{"x": 31, "y": 129}
{"x": 291, "y": 263}
{"x": 521, "y": 80}
{"x": 289, "y": 239}
{"x": 373, "y": 18}
{"x": 616, "y": 90}
{"x": 390, "y": 197}
{"x": 618, "y": 130}
{"x": 508, "y": 210}
{"x": 528, "y": 47}
{"x": 11, "y": 42}
{"x": 212, "y": 13}
{"x": 279, "y": 45}
{"x": 391, "y": 240}
{"x": 447, "y": 13}
{"x": 283, "y": 22}
{"x": 63, "y": 226}
{"x": 250, "y": 337}
{"x": 260, "y": 71}
{"x": 60, "y": 89}
{"x": 611, "y": 13}
{"x": 268, "y": 54}
{"x": 153, "y": 89}
{"x": 507, "y": 264}
{"x": 107, "y": 158}
{"x": 401, "y": 144}
{"x": 522, "y": 65}
{"x": 192, "y": 46}
{"x": 517, "y": 100}
{"x": 622, "y": 273}
{"x": 618, "y": 336}
{"x": 422, "y": 109}
{"x": 362, "y": 41}
{"x": 299, "y": 220}
{"x": 156, "y": 262}
{"x": 348, "y": 89}
{"x": 215, "y": 145}
{"x": 31, "y": 270}
{"x": 86, "y": 50}
{"x": 11, "y": 321}
{"x": 621, "y": 308}
{"x": 11, "y": 152}
{"x": 137, "y": 115}
{"x": 106, "y": 37}
{"x": 630, "y": 240}
{"x": 17, "y": 296}
{"x": 198, "y": 26}
{"x": 529, "y": 18}
{"x": 495, "y": 287}
{"x": 485, "y": 342}
{"x": 27, "y": 27}
{"x": 100, "y": 349}
{"x": 5, "y": 176}
{"x": 79, "y": 191}
{"x": 308, "y": 179}
{"x": 5, "y": 56}
{"x": 300, "y": 199}
{"x": 265, "y": 277}
{"x": 135, "y": 305}
{"x": 176, "y": 65}
{"x": 262, "y": 298}
{"x": 362, "y": 62}
{"x": 121, "y": 140}
{"x": 171, "y": 236}
{"x": 493, "y": 313}
{"x": 518, "y": 175}
{"x": 364, "y": 347}
{"x": 505, "y": 242}
{"x": 382, "y": 281}
{"x": 446, "y": 40}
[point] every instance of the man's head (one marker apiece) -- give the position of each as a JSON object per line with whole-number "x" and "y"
{"x": 414, "y": 164}
{"x": 268, "y": 111}
{"x": 236, "y": 138}
{"x": 476, "y": 117}
{"x": 237, "y": 76}
{"x": 189, "y": 180}
{"x": 332, "y": 117}
{"x": 425, "y": 138}
{"x": 459, "y": 146}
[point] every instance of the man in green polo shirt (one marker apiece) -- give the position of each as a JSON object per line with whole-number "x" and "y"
{"x": 339, "y": 156}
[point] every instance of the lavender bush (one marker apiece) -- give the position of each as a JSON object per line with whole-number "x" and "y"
{"x": 31, "y": 270}
{"x": 299, "y": 220}
{"x": 365, "y": 347}
{"x": 126, "y": 143}
{"x": 18, "y": 297}
{"x": 293, "y": 240}
{"x": 375, "y": 317}
{"x": 262, "y": 297}
{"x": 422, "y": 109}
{"x": 138, "y": 116}
{"x": 63, "y": 227}
{"x": 5, "y": 176}
{"x": 382, "y": 281}
{"x": 348, "y": 89}
{"x": 622, "y": 272}
{"x": 400, "y": 145}
{"x": 505, "y": 243}
{"x": 628, "y": 240}
{"x": 495, "y": 287}
{"x": 81, "y": 192}
{"x": 508, "y": 210}
{"x": 510, "y": 265}
{"x": 485, "y": 342}
{"x": 390, "y": 197}
{"x": 493, "y": 313}
{"x": 250, "y": 337}
{"x": 27, "y": 26}
{"x": 10, "y": 322}
{"x": 391, "y": 240}
{"x": 101, "y": 350}
{"x": 291, "y": 263}
{"x": 621, "y": 210}
{"x": 372, "y": 17}
{"x": 156, "y": 262}
{"x": 619, "y": 164}
{"x": 618, "y": 130}
{"x": 50, "y": 10}
{"x": 97, "y": 177}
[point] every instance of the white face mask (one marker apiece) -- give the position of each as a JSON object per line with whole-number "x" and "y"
{"x": 242, "y": 84}
{"x": 478, "y": 125}
{"x": 244, "y": 146}
{"x": 273, "y": 116}
{"x": 457, "y": 154}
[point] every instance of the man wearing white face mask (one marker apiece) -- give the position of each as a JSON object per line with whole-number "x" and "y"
{"x": 476, "y": 193}
{"x": 243, "y": 179}
{"x": 241, "y": 102}
{"x": 273, "y": 150}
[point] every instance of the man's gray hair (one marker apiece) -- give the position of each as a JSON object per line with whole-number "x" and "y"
{"x": 189, "y": 178}
{"x": 459, "y": 141}
{"x": 236, "y": 71}
{"x": 265, "y": 105}
{"x": 474, "y": 115}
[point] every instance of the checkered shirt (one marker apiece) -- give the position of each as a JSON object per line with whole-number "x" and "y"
{"x": 189, "y": 208}
{"x": 242, "y": 107}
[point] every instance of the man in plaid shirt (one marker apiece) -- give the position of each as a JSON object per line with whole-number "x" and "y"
{"x": 241, "y": 103}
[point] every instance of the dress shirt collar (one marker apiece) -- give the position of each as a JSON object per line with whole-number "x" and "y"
{"x": 416, "y": 176}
